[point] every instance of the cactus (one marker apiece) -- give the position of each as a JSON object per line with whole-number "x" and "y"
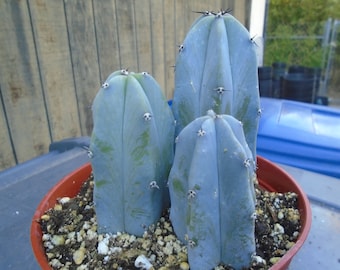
{"x": 216, "y": 68}
{"x": 211, "y": 186}
{"x": 131, "y": 152}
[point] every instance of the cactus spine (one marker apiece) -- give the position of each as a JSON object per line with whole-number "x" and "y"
{"x": 216, "y": 68}
{"x": 212, "y": 193}
{"x": 132, "y": 152}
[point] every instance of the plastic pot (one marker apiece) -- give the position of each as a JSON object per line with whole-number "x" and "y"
{"x": 279, "y": 70}
{"x": 265, "y": 81}
{"x": 298, "y": 86}
{"x": 270, "y": 177}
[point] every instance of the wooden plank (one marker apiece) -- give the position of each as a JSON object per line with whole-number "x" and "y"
{"x": 126, "y": 34}
{"x": 7, "y": 158}
{"x": 170, "y": 46}
{"x": 197, "y": 6}
{"x": 143, "y": 36}
{"x": 182, "y": 25}
{"x": 107, "y": 37}
{"x": 240, "y": 11}
{"x": 82, "y": 38}
{"x": 51, "y": 40}
{"x": 157, "y": 33}
{"x": 20, "y": 82}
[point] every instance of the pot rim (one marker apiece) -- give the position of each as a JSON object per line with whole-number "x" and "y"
{"x": 72, "y": 182}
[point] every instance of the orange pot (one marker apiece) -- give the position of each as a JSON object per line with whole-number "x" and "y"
{"x": 270, "y": 176}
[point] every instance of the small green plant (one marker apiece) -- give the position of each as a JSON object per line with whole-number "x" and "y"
{"x": 304, "y": 52}
{"x": 295, "y": 29}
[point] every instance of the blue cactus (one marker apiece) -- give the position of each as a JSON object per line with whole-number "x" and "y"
{"x": 211, "y": 186}
{"x": 216, "y": 68}
{"x": 132, "y": 152}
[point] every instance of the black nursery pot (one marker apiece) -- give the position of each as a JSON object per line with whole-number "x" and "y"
{"x": 298, "y": 86}
{"x": 279, "y": 70}
{"x": 265, "y": 81}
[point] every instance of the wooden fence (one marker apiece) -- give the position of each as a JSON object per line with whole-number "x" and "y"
{"x": 54, "y": 54}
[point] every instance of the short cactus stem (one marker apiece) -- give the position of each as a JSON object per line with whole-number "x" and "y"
{"x": 212, "y": 195}
{"x": 131, "y": 152}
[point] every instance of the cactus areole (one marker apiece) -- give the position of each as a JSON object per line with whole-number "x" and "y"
{"x": 212, "y": 195}
{"x": 131, "y": 152}
{"x": 216, "y": 68}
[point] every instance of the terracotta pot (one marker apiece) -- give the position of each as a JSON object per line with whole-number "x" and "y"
{"x": 270, "y": 177}
{"x": 273, "y": 178}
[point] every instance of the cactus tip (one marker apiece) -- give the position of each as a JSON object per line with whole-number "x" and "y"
{"x": 205, "y": 13}
{"x": 124, "y": 71}
{"x": 212, "y": 114}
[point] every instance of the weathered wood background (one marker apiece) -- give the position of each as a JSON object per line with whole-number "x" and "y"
{"x": 54, "y": 54}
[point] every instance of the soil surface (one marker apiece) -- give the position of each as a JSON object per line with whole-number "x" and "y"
{"x": 71, "y": 240}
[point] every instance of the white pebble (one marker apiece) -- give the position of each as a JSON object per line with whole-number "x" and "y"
{"x": 64, "y": 200}
{"x": 71, "y": 235}
{"x": 58, "y": 240}
{"x": 168, "y": 249}
{"x": 81, "y": 267}
{"x": 158, "y": 232}
{"x": 280, "y": 215}
{"x": 87, "y": 207}
{"x": 46, "y": 237}
{"x": 114, "y": 250}
{"x": 80, "y": 236}
{"x": 91, "y": 234}
{"x": 103, "y": 248}
{"x": 152, "y": 258}
{"x": 146, "y": 244}
{"x": 296, "y": 234}
{"x": 143, "y": 263}
{"x": 278, "y": 229}
{"x": 289, "y": 245}
{"x": 274, "y": 260}
{"x": 184, "y": 266}
{"x": 258, "y": 259}
{"x": 132, "y": 238}
{"x": 48, "y": 245}
{"x": 160, "y": 242}
{"x": 45, "y": 217}
{"x": 56, "y": 263}
{"x": 86, "y": 225}
{"x": 79, "y": 255}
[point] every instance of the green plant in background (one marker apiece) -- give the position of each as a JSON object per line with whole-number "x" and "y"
{"x": 307, "y": 52}
{"x": 300, "y": 19}
{"x": 132, "y": 152}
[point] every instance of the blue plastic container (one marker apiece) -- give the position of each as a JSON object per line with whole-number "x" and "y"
{"x": 299, "y": 134}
